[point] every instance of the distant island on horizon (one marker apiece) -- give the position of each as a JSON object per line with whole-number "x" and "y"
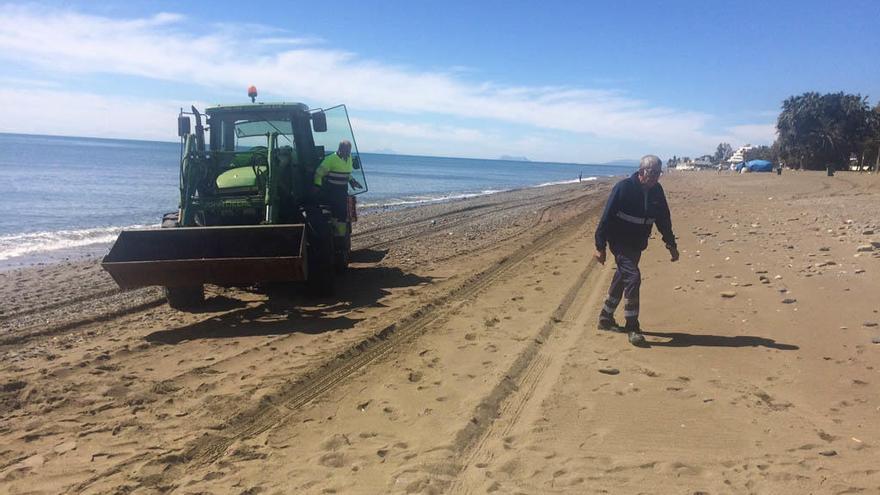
{"x": 514, "y": 158}
{"x": 622, "y": 162}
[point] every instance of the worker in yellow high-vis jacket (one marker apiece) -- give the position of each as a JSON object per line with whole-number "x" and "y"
{"x": 331, "y": 182}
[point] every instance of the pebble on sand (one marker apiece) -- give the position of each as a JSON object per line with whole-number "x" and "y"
{"x": 789, "y": 300}
{"x": 609, "y": 371}
{"x": 870, "y": 323}
{"x": 865, "y": 248}
{"x": 828, "y": 453}
{"x": 728, "y": 294}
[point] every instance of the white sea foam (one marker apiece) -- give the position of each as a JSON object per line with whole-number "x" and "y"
{"x": 572, "y": 181}
{"x": 421, "y": 200}
{"x": 34, "y": 243}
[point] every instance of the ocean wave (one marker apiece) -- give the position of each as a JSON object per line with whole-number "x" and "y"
{"x": 420, "y": 200}
{"x": 31, "y": 243}
{"x": 571, "y": 181}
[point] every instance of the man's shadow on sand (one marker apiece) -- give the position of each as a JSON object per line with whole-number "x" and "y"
{"x": 290, "y": 309}
{"x": 681, "y": 339}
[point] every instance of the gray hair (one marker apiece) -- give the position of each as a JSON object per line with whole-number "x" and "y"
{"x": 650, "y": 161}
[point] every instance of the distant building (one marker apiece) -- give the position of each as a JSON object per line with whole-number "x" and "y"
{"x": 740, "y": 155}
{"x": 702, "y": 162}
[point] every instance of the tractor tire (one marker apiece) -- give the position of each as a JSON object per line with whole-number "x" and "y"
{"x": 182, "y": 298}
{"x": 185, "y": 298}
{"x": 342, "y": 253}
{"x": 321, "y": 281}
{"x": 320, "y": 257}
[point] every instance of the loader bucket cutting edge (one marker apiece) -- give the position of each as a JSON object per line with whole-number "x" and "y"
{"x": 188, "y": 256}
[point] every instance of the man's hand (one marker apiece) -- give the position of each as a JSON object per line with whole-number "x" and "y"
{"x": 355, "y": 184}
{"x": 600, "y": 256}
{"x": 673, "y": 251}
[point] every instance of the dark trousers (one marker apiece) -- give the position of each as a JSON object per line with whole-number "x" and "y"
{"x": 625, "y": 284}
{"x": 336, "y": 198}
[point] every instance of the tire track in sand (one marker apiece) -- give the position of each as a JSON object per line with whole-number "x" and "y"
{"x": 277, "y": 407}
{"x": 531, "y": 377}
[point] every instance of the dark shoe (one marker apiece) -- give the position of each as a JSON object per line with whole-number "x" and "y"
{"x": 632, "y": 325}
{"x": 608, "y": 324}
{"x": 637, "y": 339}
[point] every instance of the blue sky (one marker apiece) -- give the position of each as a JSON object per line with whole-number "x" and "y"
{"x": 579, "y": 82}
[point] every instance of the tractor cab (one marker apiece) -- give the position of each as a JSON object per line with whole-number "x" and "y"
{"x": 261, "y": 154}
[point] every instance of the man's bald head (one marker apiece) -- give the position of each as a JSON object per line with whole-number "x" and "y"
{"x": 650, "y": 162}
{"x": 344, "y": 150}
{"x": 650, "y": 169}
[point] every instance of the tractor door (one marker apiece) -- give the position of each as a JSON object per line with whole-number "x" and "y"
{"x": 339, "y": 128}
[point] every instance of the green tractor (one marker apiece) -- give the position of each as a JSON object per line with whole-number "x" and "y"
{"x": 248, "y": 211}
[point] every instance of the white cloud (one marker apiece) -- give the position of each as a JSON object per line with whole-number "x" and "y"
{"x": 290, "y": 41}
{"x": 422, "y": 131}
{"x": 161, "y": 47}
{"x": 756, "y": 134}
{"x": 46, "y": 111}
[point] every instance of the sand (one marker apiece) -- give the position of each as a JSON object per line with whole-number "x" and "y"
{"x": 461, "y": 356}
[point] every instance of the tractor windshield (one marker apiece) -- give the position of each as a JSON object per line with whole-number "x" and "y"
{"x": 251, "y": 133}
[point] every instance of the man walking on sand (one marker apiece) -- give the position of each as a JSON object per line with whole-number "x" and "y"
{"x": 635, "y": 204}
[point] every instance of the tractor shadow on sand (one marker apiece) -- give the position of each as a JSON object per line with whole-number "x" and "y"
{"x": 287, "y": 309}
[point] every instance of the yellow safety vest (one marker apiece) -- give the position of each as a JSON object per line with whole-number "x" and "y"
{"x": 335, "y": 169}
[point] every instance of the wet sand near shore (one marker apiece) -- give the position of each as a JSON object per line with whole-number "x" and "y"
{"x": 461, "y": 356}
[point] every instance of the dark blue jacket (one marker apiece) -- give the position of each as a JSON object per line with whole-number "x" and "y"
{"x": 630, "y": 214}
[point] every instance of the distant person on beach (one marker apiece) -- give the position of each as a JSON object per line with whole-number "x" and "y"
{"x": 634, "y": 205}
{"x": 580, "y": 176}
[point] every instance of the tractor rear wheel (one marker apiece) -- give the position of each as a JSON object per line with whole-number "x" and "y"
{"x": 321, "y": 281}
{"x": 342, "y": 253}
{"x": 185, "y": 298}
{"x": 320, "y": 255}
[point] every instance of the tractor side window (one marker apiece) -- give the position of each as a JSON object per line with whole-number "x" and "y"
{"x": 338, "y": 129}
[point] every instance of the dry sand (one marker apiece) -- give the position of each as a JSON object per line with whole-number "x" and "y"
{"x": 461, "y": 356}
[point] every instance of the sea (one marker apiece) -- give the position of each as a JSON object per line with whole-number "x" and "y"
{"x": 66, "y": 198}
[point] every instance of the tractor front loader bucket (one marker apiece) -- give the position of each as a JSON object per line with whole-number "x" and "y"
{"x": 188, "y": 256}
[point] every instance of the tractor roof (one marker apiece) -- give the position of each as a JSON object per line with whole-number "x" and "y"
{"x": 257, "y": 107}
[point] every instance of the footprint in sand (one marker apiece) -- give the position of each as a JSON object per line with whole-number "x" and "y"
{"x": 332, "y": 459}
{"x": 335, "y": 442}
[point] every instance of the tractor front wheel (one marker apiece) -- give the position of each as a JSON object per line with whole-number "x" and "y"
{"x": 185, "y": 298}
